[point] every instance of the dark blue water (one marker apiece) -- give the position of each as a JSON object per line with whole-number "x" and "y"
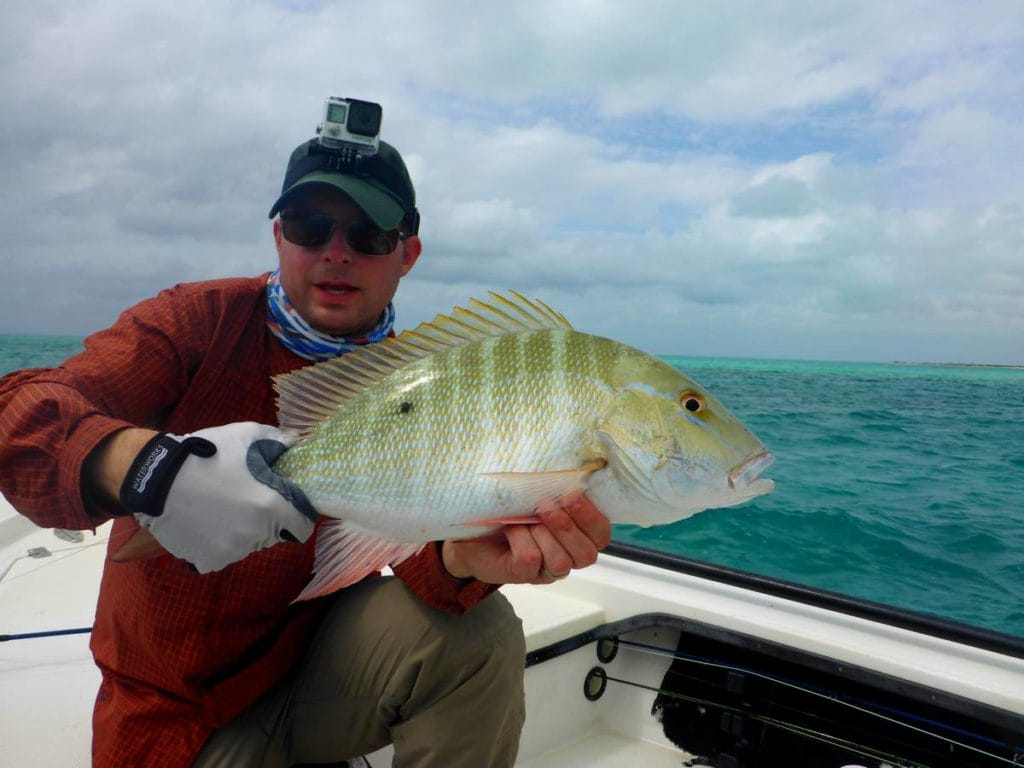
{"x": 896, "y": 483}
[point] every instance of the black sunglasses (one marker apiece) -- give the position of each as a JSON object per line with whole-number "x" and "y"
{"x": 316, "y": 230}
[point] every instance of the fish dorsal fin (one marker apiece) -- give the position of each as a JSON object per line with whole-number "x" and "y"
{"x": 309, "y": 396}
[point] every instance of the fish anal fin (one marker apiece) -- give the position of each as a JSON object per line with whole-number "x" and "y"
{"x": 346, "y": 554}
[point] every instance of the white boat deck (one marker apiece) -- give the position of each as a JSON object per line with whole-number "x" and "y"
{"x": 48, "y": 683}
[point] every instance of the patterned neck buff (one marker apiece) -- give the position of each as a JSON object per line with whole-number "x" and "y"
{"x": 305, "y": 341}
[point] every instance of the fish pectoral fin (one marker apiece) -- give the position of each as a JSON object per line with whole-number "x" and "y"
{"x": 625, "y": 468}
{"x": 555, "y": 488}
{"x": 346, "y": 554}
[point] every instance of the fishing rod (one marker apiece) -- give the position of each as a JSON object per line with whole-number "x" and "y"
{"x": 47, "y": 633}
{"x": 597, "y": 678}
{"x": 38, "y": 553}
{"x": 861, "y": 705}
{"x": 825, "y": 738}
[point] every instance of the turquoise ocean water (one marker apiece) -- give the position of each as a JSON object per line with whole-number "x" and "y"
{"x": 902, "y": 484}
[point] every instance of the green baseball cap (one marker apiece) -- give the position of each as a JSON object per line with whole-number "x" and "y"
{"x": 379, "y": 183}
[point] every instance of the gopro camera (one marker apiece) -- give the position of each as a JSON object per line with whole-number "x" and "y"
{"x": 351, "y": 124}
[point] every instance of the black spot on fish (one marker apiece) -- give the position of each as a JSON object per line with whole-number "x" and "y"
{"x": 405, "y": 407}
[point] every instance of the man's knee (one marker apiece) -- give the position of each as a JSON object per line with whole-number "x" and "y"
{"x": 382, "y": 619}
{"x": 489, "y": 635}
{"x": 469, "y": 670}
{"x": 494, "y": 620}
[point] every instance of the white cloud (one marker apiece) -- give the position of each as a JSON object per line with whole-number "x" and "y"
{"x": 785, "y": 180}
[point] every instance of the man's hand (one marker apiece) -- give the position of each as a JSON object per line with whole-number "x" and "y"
{"x": 566, "y": 538}
{"x": 211, "y": 497}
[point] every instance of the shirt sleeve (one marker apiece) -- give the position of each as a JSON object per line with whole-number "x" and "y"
{"x": 429, "y": 580}
{"x": 127, "y": 375}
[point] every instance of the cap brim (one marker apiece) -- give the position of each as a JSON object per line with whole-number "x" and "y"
{"x": 380, "y": 205}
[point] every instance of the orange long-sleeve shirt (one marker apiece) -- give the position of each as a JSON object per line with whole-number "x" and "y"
{"x": 181, "y": 654}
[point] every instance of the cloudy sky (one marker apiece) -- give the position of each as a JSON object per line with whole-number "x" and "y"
{"x": 839, "y": 181}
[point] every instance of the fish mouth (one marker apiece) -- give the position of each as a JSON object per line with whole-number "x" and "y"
{"x": 744, "y": 474}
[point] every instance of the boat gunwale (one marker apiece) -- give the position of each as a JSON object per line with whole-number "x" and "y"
{"x": 814, "y": 662}
{"x": 919, "y": 622}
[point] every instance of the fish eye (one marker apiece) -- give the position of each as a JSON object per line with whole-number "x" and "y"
{"x": 692, "y": 401}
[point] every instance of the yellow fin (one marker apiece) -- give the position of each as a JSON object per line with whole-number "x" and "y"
{"x": 309, "y": 396}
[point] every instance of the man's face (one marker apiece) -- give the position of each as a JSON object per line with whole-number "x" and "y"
{"x": 335, "y": 288}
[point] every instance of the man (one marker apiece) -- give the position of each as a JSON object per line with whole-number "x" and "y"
{"x": 204, "y": 659}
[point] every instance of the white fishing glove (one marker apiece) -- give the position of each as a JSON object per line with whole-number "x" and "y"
{"x": 211, "y": 498}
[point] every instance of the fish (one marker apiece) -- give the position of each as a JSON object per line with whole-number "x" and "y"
{"x": 486, "y": 417}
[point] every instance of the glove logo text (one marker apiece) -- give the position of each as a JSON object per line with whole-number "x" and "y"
{"x": 147, "y": 469}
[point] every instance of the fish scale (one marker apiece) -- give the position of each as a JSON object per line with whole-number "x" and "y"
{"x": 523, "y": 418}
{"x": 481, "y": 417}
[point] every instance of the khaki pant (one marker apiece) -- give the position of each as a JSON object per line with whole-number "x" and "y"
{"x": 385, "y": 668}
